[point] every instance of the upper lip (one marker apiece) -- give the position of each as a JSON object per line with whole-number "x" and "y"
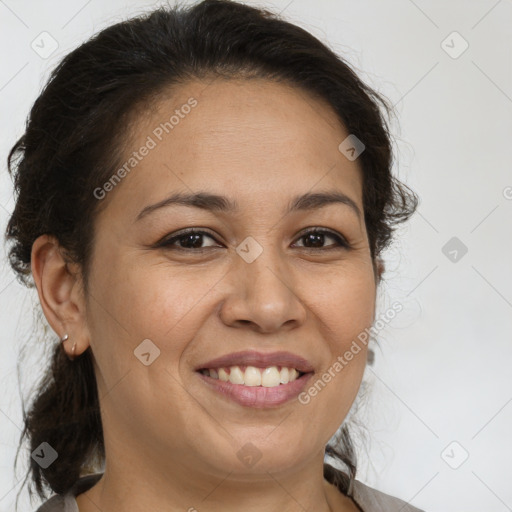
{"x": 260, "y": 360}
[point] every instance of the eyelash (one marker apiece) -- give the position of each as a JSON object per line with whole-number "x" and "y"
{"x": 168, "y": 243}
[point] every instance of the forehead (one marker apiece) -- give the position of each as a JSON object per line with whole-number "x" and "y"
{"x": 253, "y": 140}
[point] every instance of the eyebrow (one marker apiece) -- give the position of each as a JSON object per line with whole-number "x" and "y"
{"x": 218, "y": 203}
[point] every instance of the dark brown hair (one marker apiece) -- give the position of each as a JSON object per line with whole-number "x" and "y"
{"x": 73, "y": 142}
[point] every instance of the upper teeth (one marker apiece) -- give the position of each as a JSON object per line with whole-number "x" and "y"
{"x": 253, "y": 376}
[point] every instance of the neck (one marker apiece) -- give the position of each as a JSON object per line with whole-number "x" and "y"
{"x": 131, "y": 487}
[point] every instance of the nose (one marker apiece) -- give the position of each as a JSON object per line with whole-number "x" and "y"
{"x": 263, "y": 296}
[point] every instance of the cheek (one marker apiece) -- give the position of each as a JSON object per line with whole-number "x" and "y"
{"x": 345, "y": 310}
{"x": 156, "y": 302}
{"x": 346, "y": 305}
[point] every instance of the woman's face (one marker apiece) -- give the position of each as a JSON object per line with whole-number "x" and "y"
{"x": 255, "y": 282}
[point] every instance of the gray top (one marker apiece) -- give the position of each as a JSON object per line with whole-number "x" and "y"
{"x": 366, "y": 498}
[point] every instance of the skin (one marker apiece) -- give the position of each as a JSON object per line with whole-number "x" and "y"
{"x": 171, "y": 442}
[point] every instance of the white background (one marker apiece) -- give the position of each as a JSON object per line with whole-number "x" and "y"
{"x": 442, "y": 372}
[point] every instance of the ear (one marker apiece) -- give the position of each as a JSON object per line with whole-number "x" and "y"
{"x": 379, "y": 268}
{"x": 60, "y": 293}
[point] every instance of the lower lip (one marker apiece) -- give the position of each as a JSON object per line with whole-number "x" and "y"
{"x": 259, "y": 397}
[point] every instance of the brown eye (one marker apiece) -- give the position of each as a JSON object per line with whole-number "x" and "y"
{"x": 187, "y": 240}
{"x": 315, "y": 239}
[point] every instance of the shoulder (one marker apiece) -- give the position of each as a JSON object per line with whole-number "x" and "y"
{"x": 366, "y": 498}
{"x": 66, "y": 502}
{"x": 59, "y": 503}
{"x": 372, "y": 500}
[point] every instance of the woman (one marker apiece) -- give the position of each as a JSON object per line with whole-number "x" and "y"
{"x": 203, "y": 195}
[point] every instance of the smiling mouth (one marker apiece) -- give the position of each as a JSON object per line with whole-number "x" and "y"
{"x": 253, "y": 376}
{"x": 261, "y": 390}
